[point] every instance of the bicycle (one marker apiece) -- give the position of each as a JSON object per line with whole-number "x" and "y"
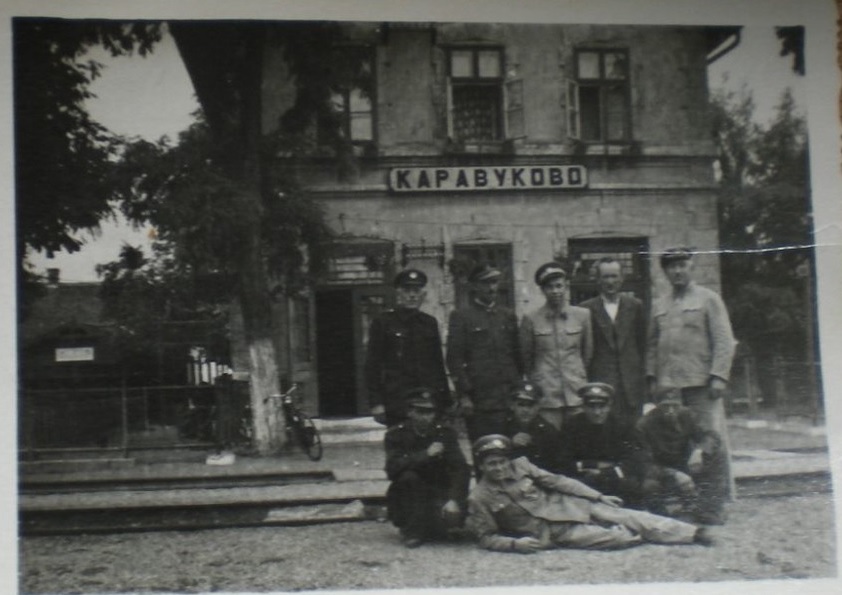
{"x": 298, "y": 425}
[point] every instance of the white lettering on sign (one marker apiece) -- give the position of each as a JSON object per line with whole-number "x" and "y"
{"x": 461, "y": 179}
{"x": 74, "y": 354}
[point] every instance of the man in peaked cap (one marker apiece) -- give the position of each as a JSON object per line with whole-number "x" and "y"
{"x": 685, "y": 460}
{"x": 690, "y": 347}
{"x": 404, "y": 351}
{"x": 518, "y": 507}
{"x": 534, "y": 437}
{"x": 428, "y": 472}
{"x": 603, "y": 446}
{"x": 557, "y": 344}
{"x": 483, "y": 355}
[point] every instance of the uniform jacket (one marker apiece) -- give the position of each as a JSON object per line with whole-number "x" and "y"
{"x": 557, "y": 347}
{"x": 406, "y": 450}
{"x": 669, "y": 444}
{"x": 619, "y": 347}
{"x": 483, "y": 355}
{"x": 614, "y": 442}
{"x": 404, "y": 352}
{"x": 689, "y": 339}
{"x": 547, "y": 450}
{"x": 524, "y": 504}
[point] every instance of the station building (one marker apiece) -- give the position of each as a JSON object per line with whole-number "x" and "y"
{"x": 505, "y": 143}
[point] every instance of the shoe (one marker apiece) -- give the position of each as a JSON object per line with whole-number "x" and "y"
{"x": 412, "y": 542}
{"x": 702, "y": 537}
{"x": 222, "y": 458}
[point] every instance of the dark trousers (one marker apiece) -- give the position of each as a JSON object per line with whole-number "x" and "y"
{"x": 414, "y": 505}
{"x": 482, "y": 423}
{"x": 711, "y": 486}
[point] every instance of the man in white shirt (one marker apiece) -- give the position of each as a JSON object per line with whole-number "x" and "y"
{"x": 619, "y": 340}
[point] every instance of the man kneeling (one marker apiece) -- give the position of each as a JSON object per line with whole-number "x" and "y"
{"x": 517, "y": 507}
{"x": 428, "y": 472}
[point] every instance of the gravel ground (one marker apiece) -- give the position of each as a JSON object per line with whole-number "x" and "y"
{"x": 764, "y": 539}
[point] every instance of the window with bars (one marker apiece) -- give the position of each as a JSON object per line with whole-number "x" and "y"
{"x": 482, "y": 106}
{"x": 598, "y": 100}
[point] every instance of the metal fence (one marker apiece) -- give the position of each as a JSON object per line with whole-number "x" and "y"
{"x": 784, "y": 387}
{"x": 125, "y": 418}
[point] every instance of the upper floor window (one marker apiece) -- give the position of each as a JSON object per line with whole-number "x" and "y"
{"x": 351, "y": 113}
{"x": 598, "y": 101}
{"x": 475, "y": 94}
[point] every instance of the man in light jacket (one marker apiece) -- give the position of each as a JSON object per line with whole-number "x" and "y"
{"x": 690, "y": 347}
{"x": 517, "y": 507}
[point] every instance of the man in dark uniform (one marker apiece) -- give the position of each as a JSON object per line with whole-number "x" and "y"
{"x": 687, "y": 460}
{"x": 534, "y": 437}
{"x": 404, "y": 352}
{"x": 603, "y": 447}
{"x": 619, "y": 340}
{"x": 428, "y": 472}
{"x": 483, "y": 355}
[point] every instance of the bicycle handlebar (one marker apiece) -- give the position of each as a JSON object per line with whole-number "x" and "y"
{"x": 291, "y": 390}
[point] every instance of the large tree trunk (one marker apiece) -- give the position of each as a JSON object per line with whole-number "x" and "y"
{"x": 254, "y": 287}
{"x": 225, "y": 63}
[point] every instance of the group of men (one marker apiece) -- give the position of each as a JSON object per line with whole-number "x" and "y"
{"x": 553, "y": 407}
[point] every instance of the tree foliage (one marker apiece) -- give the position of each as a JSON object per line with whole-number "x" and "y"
{"x": 63, "y": 181}
{"x": 765, "y": 223}
{"x": 184, "y": 191}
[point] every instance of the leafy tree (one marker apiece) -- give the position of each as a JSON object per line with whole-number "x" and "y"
{"x": 155, "y": 298}
{"x": 225, "y": 197}
{"x": 63, "y": 156}
{"x": 765, "y": 228}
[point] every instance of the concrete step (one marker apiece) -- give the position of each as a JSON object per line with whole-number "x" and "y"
{"x": 287, "y": 495}
{"x": 349, "y": 431}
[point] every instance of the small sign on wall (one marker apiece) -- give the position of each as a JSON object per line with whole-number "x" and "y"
{"x": 74, "y": 354}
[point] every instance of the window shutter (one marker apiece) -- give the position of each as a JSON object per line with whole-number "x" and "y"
{"x": 449, "y": 94}
{"x": 515, "y": 124}
{"x": 573, "y": 123}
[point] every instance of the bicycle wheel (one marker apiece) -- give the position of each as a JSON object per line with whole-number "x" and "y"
{"x": 309, "y": 438}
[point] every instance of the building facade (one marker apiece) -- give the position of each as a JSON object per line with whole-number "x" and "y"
{"x": 504, "y": 143}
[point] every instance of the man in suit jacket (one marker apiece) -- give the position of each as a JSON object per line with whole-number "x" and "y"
{"x": 619, "y": 341}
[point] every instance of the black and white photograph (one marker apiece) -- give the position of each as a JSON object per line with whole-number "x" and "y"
{"x": 350, "y": 296}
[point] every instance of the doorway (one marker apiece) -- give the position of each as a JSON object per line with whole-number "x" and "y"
{"x": 343, "y": 317}
{"x": 336, "y": 367}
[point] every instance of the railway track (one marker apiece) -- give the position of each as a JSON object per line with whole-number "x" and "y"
{"x": 191, "y": 504}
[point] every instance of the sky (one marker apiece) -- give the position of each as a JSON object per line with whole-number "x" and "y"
{"x": 148, "y": 97}
{"x": 151, "y": 97}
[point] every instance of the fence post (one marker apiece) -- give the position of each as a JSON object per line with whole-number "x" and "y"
{"x": 748, "y": 368}
{"x": 145, "y": 397}
{"x": 124, "y": 406}
{"x": 782, "y": 404}
{"x": 29, "y": 424}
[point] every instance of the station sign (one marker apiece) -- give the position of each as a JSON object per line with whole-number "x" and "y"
{"x": 467, "y": 179}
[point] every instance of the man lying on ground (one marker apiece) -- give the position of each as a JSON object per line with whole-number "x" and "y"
{"x": 517, "y": 507}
